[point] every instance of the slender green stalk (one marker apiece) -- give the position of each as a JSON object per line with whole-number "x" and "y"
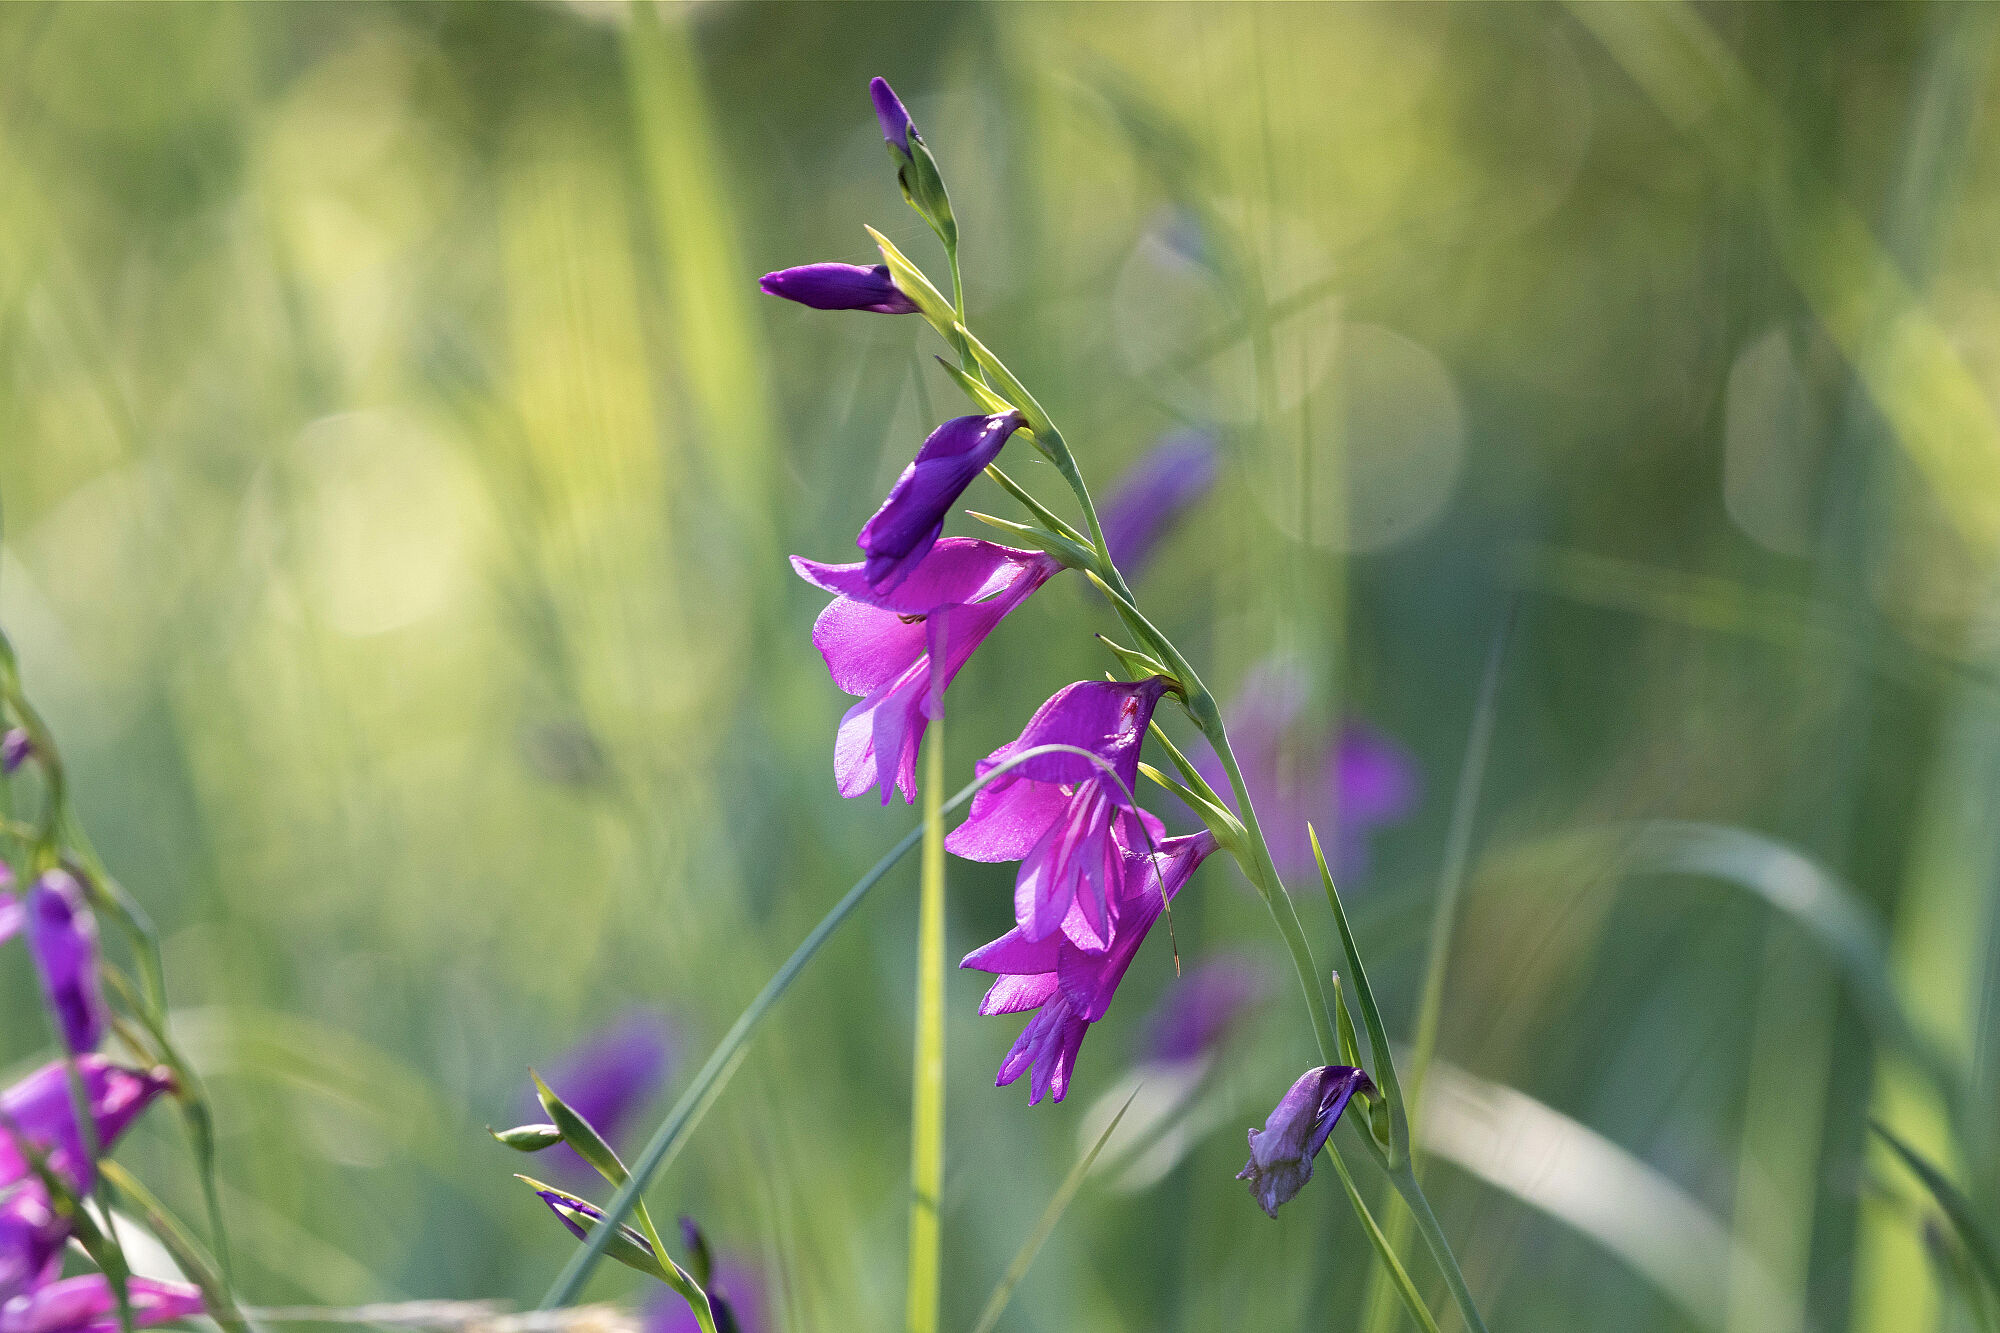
{"x": 1444, "y": 918}
{"x": 927, "y": 1067}
{"x": 1391, "y": 1265}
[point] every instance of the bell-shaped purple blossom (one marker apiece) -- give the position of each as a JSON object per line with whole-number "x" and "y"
{"x": 37, "y": 1110}
{"x": 840, "y": 287}
{"x": 885, "y": 647}
{"x": 610, "y": 1075}
{"x": 1067, "y": 987}
{"x": 62, "y": 935}
{"x": 31, "y": 1240}
{"x": 1054, "y": 813}
{"x": 896, "y": 125}
{"x": 1347, "y": 786}
{"x": 1201, "y": 1009}
{"x": 1144, "y": 503}
{"x": 86, "y": 1305}
{"x": 910, "y": 521}
{"x": 1281, "y": 1153}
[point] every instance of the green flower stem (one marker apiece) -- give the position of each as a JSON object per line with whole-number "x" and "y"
{"x": 927, "y": 1068}
{"x": 1390, "y": 1263}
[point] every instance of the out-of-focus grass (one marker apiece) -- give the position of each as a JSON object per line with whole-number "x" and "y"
{"x": 397, "y": 462}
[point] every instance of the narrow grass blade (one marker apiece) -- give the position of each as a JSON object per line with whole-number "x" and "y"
{"x": 1399, "y": 1277}
{"x": 1003, "y": 1291}
{"x": 1964, "y": 1217}
{"x": 1384, "y": 1071}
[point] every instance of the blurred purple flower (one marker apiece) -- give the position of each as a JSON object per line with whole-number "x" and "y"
{"x": 884, "y": 647}
{"x": 1281, "y": 1153}
{"x": 896, "y": 125}
{"x": 10, "y": 907}
{"x": 1348, "y": 788}
{"x": 610, "y": 1075}
{"x": 1054, "y": 813}
{"x": 903, "y": 530}
{"x": 840, "y": 287}
{"x": 86, "y": 1305}
{"x": 735, "y": 1293}
{"x": 1069, "y": 988}
{"x": 62, "y": 935}
{"x": 31, "y": 1241}
{"x": 1144, "y": 503}
{"x": 15, "y": 747}
{"x": 1200, "y": 1009}
{"x": 38, "y": 1110}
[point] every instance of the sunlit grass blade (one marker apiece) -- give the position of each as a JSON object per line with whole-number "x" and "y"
{"x": 1965, "y": 1219}
{"x": 1059, "y": 1202}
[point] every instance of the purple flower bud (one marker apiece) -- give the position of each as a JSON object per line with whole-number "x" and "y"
{"x": 37, "y": 1110}
{"x": 15, "y": 747}
{"x": 882, "y": 647}
{"x": 31, "y": 1241}
{"x": 86, "y": 1305}
{"x": 840, "y": 287}
{"x": 62, "y": 935}
{"x": 1069, "y": 988}
{"x": 735, "y": 1293}
{"x": 610, "y": 1075}
{"x": 568, "y": 1207}
{"x": 1199, "y": 1010}
{"x": 896, "y": 126}
{"x": 1281, "y": 1153}
{"x": 1054, "y": 813}
{"x": 910, "y": 521}
{"x": 1144, "y": 503}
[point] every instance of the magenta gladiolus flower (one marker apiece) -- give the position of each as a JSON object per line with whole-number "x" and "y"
{"x": 840, "y": 287}
{"x": 37, "y": 1110}
{"x": 909, "y": 522}
{"x": 901, "y": 649}
{"x": 1200, "y": 1009}
{"x": 1281, "y": 1153}
{"x": 1178, "y": 471}
{"x": 1054, "y": 813}
{"x": 86, "y": 1305}
{"x": 1347, "y": 787}
{"x": 896, "y": 125}
{"x": 31, "y": 1241}
{"x": 1069, "y": 988}
{"x": 62, "y": 935}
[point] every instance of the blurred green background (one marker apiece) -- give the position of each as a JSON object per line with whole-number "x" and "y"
{"x": 399, "y": 461}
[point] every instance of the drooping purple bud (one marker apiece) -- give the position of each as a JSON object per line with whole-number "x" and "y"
{"x": 86, "y": 1305}
{"x": 1144, "y": 503}
{"x": 1199, "y": 1010}
{"x": 1281, "y": 1153}
{"x": 62, "y": 935}
{"x": 15, "y": 747}
{"x": 896, "y": 125}
{"x": 910, "y": 521}
{"x": 38, "y": 1110}
{"x": 840, "y": 287}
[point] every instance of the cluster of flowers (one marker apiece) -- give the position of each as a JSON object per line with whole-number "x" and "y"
{"x": 46, "y": 1161}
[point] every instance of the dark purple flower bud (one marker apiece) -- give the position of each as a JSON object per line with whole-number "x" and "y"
{"x": 1281, "y": 1153}
{"x": 910, "y": 521}
{"x": 1054, "y": 813}
{"x": 86, "y": 1305}
{"x": 882, "y": 647}
{"x": 896, "y": 126}
{"x": 1069, "y": 988}
{"x": 62, "y": 935}
{"x": 1178, "y": 471}
{"x": 1199, "y": 1010}
{"x": 610, "y": 1075}
{"x": 31, "y": 1241}
{"x": 38, "y": 1110}
{"x": 15, "y": 747}
{"x": 568, "y": 1207}
{"x": 701, "y": 1260}
{"x": 840, "y": 287}
{"x": 1347, "y": 786}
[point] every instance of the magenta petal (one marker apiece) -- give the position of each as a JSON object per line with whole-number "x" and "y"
{"x": 10, "y": 917}
{"x": 1013, "y": 952}
{"x": 38, "y": 1107}
{"x": 86, "y": 1305}
{"x": 878, "y": 739}
{"x": 1008, "y": 818}
{"x": 1108, "y": 718}
{"x": 957, "y": 570}
{"x": 1012, "y": 993}
{"x": 866, "y": 647}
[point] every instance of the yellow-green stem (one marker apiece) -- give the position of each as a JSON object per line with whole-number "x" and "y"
{"x": 927, "y": 1069}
